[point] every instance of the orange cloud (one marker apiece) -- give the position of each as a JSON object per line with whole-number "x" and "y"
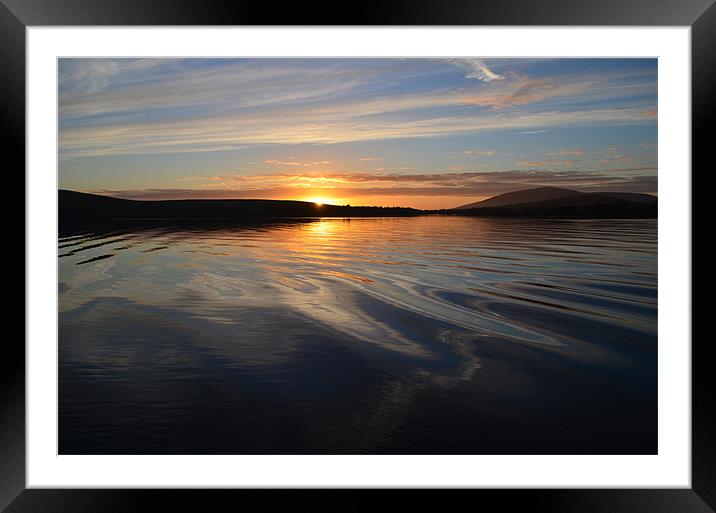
{"x": 419, "y": 190}
{"x": 577, "y": 152}
{"x": 523, "y": 91}
{"x": 544, "y": 163}
{"x": 276, "y": 162}
{"x": 471, "y": 154}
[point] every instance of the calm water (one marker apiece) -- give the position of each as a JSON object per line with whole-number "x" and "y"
{"x": 392, "y": 335}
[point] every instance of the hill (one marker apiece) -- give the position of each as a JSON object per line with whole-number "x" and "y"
{"x": 524, "y": 196}
{"x": 83, "y": 206}
{"x": 77, "y": 208}
{"x": 541, "y": 194}
{"x": 579, "y": 206}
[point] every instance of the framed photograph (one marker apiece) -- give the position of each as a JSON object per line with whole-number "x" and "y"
{"x": 440, "y": 248}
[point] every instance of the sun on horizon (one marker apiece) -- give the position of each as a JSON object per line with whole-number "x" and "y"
{"x": 323, "y": 200}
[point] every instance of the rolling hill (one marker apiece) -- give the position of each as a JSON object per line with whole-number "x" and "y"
{"x": 544, "y": 202}
{"x": 80, "y": 205}
{"x": 524, "y": 196}
{"x": 556, "y": 202}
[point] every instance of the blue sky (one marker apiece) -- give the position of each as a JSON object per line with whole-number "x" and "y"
{"x": 427, "y": 133}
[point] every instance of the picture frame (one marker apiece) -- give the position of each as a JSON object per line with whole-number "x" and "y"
{"x": 16, "y": 16}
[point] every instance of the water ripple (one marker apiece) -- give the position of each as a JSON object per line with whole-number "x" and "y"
{"x": 490, "y": 317}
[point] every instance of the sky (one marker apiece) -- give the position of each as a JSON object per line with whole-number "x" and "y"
{"x": 423, "y": 133}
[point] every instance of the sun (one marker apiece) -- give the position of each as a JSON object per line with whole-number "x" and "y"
{"x": 322, "y": 201}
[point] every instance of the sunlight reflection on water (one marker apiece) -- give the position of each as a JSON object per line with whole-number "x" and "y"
{"x": 417, "y": 335}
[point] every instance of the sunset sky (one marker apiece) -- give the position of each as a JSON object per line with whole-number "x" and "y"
{"x": 425, "y": 133}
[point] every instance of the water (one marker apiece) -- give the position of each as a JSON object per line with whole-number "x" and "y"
{"x": 380, "y": 336}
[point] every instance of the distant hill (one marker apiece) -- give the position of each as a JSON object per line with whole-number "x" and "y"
{"x": 631, "y": 196}
{"x": 82, "y": 206}
{"x": 592, "y": 205}
{"x": 564, "y": 203}
{"x": 77, "y": 208}
{"x": 524, "y": 196}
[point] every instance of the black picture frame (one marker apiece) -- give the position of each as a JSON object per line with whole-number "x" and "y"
{"x": 17, "y": 15}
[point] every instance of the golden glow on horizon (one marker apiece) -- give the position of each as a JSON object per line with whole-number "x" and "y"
{"x": 320, "y": 201}
{"x": 420, "y": 202}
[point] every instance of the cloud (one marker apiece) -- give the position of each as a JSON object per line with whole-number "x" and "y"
{"x": 93, "y": 75}
{"x": 576, "y": 152}
{"x": 294, "y": 163}
{"x": 545, "y": 163}
{"x": 136, "y": 87}
{"x": 476, "y": 68}
{"x": 237, "y": 132}
{"x": 364, "y": 184}
{"x": 612, "y": 154}
{"x": 471, "y": 154}
{"x": 524, "y": 91}
{"x": 282, "y": 163}
{"x": 171, "y": 106}
{"x": 615, "y": 158}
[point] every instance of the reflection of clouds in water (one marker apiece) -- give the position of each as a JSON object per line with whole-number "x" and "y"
{"x": 418, "y": 310}
{"x": 211, "y": 296}
{"x": 79, "y": 284}
{"x": 104, "y": 327}
{"x": 334, "y": 307}
{"x": 387, "y": 409}
{"x": 160, "y": 341}
{"x": 310, "y": 267}
{"x": 257, "y": 337}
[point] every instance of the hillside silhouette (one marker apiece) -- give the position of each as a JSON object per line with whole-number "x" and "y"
{"x": 78, "y": 207}
{"x": 74, "y": 204}
{"x": 524, "y": 196}
{"x": 558, "y": 202}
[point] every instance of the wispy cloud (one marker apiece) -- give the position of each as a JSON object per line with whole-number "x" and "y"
{"x": 523, "y": 91}
{"x": 163, "y": 106}
{"x": 476, "y": 68}
{"x": 576, "y": 152}
{"x": 545, "y": 163}
{"x": 293, "y": 163}
{"x": 345, "y": 124}
{"x": 470, "y": 184}
{"x": 470, "y": 154}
